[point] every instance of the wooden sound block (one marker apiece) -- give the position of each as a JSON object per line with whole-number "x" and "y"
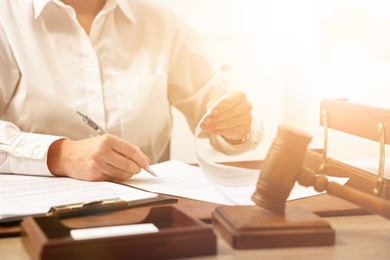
{"x": 246, "y": 227}
{"x": 179, "y": 236}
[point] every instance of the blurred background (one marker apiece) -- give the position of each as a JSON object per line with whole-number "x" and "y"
{"x": 288, "y": 55}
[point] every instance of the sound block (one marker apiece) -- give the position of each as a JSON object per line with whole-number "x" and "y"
{"x": 247, "y": 227}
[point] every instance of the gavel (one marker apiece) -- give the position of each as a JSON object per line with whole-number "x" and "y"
{"x": 282, "y": 167}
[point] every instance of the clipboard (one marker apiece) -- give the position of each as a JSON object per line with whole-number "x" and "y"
{"x": 179, "y": 236}
{"x": 94, "y": 207}
{"x": 363, "y": 121}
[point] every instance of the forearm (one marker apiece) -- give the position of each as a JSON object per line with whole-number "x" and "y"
{"x": 23, "y": 153}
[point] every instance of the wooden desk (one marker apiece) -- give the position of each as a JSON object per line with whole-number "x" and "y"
{"x": 357, "y": 237}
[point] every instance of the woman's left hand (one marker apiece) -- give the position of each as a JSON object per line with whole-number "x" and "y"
{"x": 231, "y": 118}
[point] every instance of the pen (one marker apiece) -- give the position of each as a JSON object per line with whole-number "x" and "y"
{"x": 101, "y": 131}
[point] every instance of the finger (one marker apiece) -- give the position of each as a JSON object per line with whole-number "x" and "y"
{"x": 230, "y": 100}
{"x": 233, "y": 127}
{"x": 106, "y": 176}
{"x": 226, "y": 127}
{"x": 130, "y": 151}
{"x": 238, "y": 117}
{"x": 234, "y": 133}
{"x": 93, "y": 176}
{"x": 240, "y": 110}
{"x": 123, "y": 164}
{"x": 116, "y": 174}
{"x": 231, "y": 122}
{"x": 100, "y": 169}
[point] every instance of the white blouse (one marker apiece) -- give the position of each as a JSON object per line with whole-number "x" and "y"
{"x": 137, "y": 62}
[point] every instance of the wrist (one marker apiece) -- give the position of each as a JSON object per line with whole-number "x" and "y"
{"x": 54, "y": 157}
{"x": 244, "y": 139}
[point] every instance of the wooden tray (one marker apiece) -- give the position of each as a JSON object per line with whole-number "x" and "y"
{"x": 179, "y": 236}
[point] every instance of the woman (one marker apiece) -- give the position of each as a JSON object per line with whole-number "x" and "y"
{"x": 122, "y": 62}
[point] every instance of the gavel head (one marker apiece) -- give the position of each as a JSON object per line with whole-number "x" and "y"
{"x": 281, "y": 168}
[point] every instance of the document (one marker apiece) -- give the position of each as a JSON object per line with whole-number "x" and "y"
{"x": 227, "y": 185}
{"x": 179, "y": 179}
{"x": 26, "y": 195}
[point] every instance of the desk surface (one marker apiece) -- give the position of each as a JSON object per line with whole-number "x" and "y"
{"x": 357, "y": 237}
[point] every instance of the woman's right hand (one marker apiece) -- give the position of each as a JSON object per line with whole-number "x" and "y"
{"x": 101, "y": 158}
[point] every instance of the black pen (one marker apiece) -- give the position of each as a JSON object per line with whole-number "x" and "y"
{"x": 101, "y": 131}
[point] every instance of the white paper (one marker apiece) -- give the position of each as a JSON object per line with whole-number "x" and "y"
{"x": 179, "y": 179}
{"x": 112, "y": 231}
{"x": 24, "y": 195}
{"x": 184, "y": 180}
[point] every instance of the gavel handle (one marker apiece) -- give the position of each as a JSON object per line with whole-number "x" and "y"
{"x": 367, "y": 201}
{"x": 370, "y": 202}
